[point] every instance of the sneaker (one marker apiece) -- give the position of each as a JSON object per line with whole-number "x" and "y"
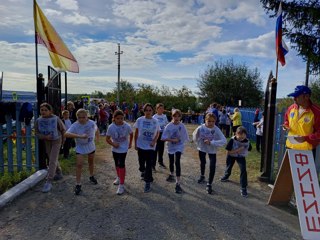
{"x": 46, "y": 187}
{"x": 147, "y": 187}
{"x": 170, "y": 178}
{"x": 142, "y": 175}
{"x": 116, "y": 181}
{"x": 93, "y": 180}
{"x": 77, "y": 189}
{"x": 178, "y": 188}
{"x": 57, "y": 177}
{"x": 209, "y": 188}
{"x": 201, "y": 179}
{"x": 120, "y": 189}
{"x": 244, "y": 192}
{"x": 161, "y": 165}
{"x": 224, "y": 179}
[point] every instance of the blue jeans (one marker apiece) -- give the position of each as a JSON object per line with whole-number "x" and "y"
{"x": 243, "y": 169}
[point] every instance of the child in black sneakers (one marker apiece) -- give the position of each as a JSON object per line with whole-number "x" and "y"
{"x": 208, "y": 138}
{"x": 237, "y": 150}
{"x": 175, "y": 133}
{"x": 163, "y": 121}
{"x": 84, "y": 131}
{"x": 145, "y": 139}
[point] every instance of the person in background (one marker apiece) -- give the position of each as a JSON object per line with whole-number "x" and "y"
{"x": 237, "y": 150}
{"x": 302, "y": 120}
{"x": 236, "y": 120}
{"x": 223, "y": 122}
{"x": 72, "y": 111}
{"x": 163, "y": 121}
{"x": 135, "y": 110}
{"x": 145, "y": 139}
{"x": 259, "y": 133}
{"x": 117, "y": 136}
{"x": 50, "y": 128}
{"x": 103, "y": 119}
{"x": 208, "y": 138}
{"x": 85, "y": 131}
{"x": 68, "y": 141}
{"x": 175, "y": 134}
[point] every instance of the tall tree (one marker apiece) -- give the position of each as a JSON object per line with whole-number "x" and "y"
{"x": 301, "y": 26}
{"x": 227, "y": 83}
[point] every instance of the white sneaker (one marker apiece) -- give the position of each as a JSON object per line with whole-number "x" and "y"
{"x": 120, "y": 189}
{"x": 46, "y": 187}
{"x": 116, "y": 181}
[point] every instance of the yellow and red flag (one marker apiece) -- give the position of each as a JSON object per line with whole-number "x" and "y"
{"x": 46, "y": 35}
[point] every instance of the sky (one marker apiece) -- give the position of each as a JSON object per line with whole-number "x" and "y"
{"x": 164, "y": 43}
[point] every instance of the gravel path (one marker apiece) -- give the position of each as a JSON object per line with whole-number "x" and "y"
{"x": 161, "y": 214}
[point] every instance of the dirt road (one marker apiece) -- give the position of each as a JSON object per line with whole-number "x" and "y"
{"x": 160, "y": 214}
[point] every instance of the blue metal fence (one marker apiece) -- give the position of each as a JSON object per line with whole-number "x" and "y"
{"x": 17, "y": 152}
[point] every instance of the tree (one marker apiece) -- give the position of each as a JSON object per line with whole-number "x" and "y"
{"x": 315, "y": 89}
{"x": 301, "y": 26}
{"x": 227, "y": 83}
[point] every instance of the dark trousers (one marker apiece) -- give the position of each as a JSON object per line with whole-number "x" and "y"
{"x": 259, "y": 143}
{"x": 213, "y": 160}
{"x": 66, "y": 147}
{"x": 227, "y": 131}
{"x": 176, "y": 162}
{"x": 243, "y": 169}
{"x": 146, "y": 158}
{"x": 119, "y": 159}
{"x": 159, "y": 151}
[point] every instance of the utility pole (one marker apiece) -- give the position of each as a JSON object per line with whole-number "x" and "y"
{"x": 118, "y": 92}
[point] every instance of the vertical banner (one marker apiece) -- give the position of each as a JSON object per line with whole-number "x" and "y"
{"x": 298, "y": 174}
{"x": 1, "y": 79}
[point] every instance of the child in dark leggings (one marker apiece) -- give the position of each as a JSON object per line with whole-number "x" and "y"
{"x": 175, "y": 133}
{"x": 208, "y": 138}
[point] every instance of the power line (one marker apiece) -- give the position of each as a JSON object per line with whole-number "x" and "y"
{"x": 118, "y": 85}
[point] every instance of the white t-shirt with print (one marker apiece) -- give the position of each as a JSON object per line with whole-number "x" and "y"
{"x": 120, "y": 134}
{"x": 148, "y": 129}
{"x": 175, "y": 131}
{"x": 84, "y": 145}
{"x": 162, "y": 119}
{"x": 214, "y": 135}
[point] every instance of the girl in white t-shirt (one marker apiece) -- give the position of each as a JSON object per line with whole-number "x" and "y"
{"x": 84, "y": 131}
{"x": 163, "y": 121}
{"x": 208, "y": 138}
{"x": 117, "y": 136}
{"x": 175, "y": 134}
{"x": 145, "y": 139}
{"x": 50, "y": 129}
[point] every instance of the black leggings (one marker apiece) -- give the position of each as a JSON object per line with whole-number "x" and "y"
{"x": 213, "y": 160}
{"x": 119, "y": 159}
{"x": 146, "y": 158}
{"x": 177, "y": 163}
{"x": 159, "y": 150}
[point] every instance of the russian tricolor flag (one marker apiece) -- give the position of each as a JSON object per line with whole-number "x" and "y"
{"x": 281, "y": 47}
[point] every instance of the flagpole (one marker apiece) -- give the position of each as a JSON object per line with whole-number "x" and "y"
{"x": 36, "y": 53}
{"x": 277, "y": 66}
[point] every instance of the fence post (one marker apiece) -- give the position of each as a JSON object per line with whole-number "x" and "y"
{"x": 18, "y": 139}
{"x": 1, "y": 151}
{"x": 9, "y": 143}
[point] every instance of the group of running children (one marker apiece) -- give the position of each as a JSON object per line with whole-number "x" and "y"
{"x": 151, "y": 131}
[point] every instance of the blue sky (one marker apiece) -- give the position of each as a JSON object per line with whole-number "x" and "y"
{"x": 164, "y": 42}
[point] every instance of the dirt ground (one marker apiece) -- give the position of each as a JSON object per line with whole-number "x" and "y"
{"x": 160, "y": 214}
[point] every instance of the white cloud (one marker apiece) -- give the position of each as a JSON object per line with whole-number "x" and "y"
{"x": 68, "y": 4}
{"x": 164, "y": 42}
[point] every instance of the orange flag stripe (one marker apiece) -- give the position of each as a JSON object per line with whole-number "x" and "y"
{"x": 46, "y": 35}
